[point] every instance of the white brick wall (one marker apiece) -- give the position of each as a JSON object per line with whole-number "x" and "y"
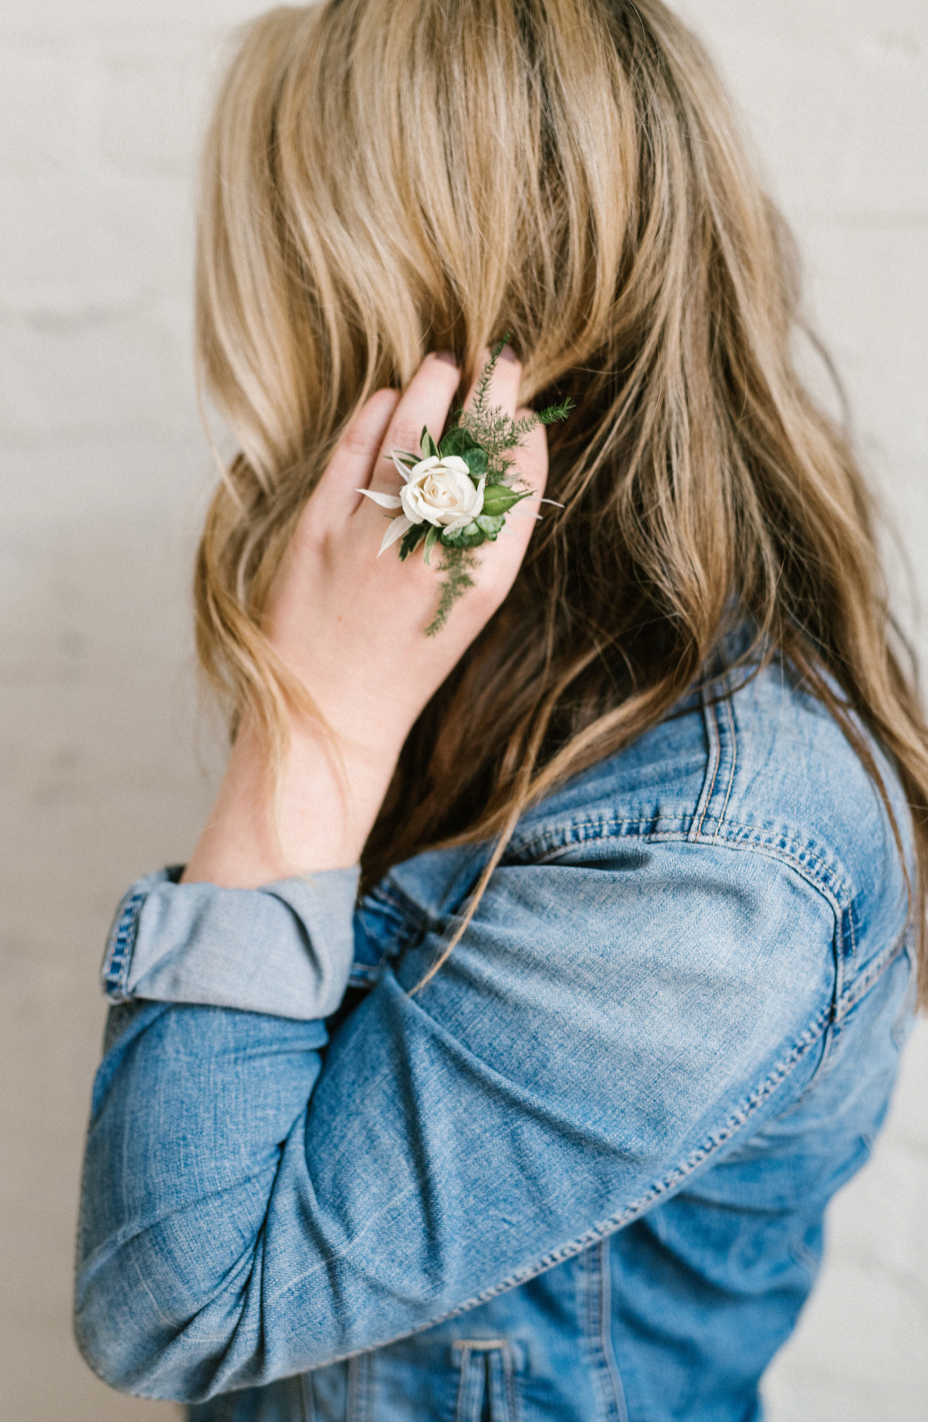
{"x": 105, "y": 476}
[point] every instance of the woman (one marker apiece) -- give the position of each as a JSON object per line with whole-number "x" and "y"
{"x": 641, "y": 830}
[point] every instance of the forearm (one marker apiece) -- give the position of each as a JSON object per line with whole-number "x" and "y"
{"x": 192, "y": 1107}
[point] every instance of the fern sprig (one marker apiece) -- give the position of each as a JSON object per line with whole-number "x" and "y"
{"x": 456, "y": 566}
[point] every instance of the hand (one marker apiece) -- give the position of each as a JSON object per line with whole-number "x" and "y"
{"x": 351, "y": 627}
{"x": 351, "y": 624}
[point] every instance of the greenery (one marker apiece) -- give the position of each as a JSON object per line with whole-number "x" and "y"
{"x": 484, "y": 437}
{"x": 456, "y": 566}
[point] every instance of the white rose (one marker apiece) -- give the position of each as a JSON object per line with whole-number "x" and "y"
{"x": 436, "y": 491}
{"x": 441, "y": 492}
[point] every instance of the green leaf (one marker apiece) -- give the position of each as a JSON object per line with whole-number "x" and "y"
{"x": 431, "y": 538}
{"x": 499, "y": 499}
{"x": 429, "y": 447}
{"x": 491, "y": 524}
{"x": 411, "y": 538}
{"x": 461, "y": 442}
{"x": 457, "y": 441}
{"x": 476, "y": 459}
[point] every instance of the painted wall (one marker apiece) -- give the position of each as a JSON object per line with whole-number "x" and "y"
{"x": 105, "y": 475}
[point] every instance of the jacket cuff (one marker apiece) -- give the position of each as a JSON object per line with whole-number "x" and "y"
{"x": 285, "y": 949}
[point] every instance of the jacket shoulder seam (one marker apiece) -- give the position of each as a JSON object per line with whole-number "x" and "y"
{"x": 781, "y": 843}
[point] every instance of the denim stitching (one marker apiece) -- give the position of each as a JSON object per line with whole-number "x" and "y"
{"x": 710, "y": 721}
{"x": 389, "y": 892}
{"x": 852, "y": 931}
{"x": 116, "y": 963}
{"x": 670, "y": 1181}
{"x": 307, "y": 1404}
{"x": 605, "y": 1328}
{"x": 799, "y": 854}
{"x": 858, "y": 989}
{"x": 359, "y": 1402}
{"x": 730, "y": 713}
{"x": 364, "y": 975}
{"x": 845, "y": 999}
{"x": 596, "y": 1305}
{"x": 509, "y": 1372}
{"x": 467, "y": 1383}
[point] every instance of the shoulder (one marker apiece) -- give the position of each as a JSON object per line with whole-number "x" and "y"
{"x": 653, "y": 914}
{"x": 687, "y": 918}
{"x": 753, "y": 780}
{"x": 755, "y": 767}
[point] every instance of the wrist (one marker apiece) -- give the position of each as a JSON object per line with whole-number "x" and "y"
{"x": 316, "y": 817}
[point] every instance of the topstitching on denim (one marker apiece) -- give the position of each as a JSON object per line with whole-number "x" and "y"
{"x": 594, "y": 1287}
{"x": 118, "y": 956}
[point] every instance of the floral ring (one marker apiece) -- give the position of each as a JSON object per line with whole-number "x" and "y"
{"x": 457, "y": 492}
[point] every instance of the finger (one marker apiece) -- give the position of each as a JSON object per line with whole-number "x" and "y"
{"x": 503, "y": 389}
{"x": 426, "y": 401}
{"x": 531, "y": 460}
{"x": 531, "y": 469}
{"x": 349, "y": 469}
{"x": 501, "y": 561}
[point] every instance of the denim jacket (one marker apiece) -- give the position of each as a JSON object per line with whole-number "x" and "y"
{"x": 581, "y": 1174}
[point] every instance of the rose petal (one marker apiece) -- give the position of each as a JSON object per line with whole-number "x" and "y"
{"x": 386, "y": 501}
{"x": 454, "y": 461}
{"x": 396, "y": 529}
{"x": 414, "y": 506}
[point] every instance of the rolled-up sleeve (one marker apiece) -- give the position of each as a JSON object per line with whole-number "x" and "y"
{"x": 284, "y": 950}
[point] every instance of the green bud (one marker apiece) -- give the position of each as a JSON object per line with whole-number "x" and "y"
{"x": 499, "y": 499}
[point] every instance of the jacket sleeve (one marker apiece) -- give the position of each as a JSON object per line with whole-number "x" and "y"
{"x": 601, "y": 1032}
{"x": 285, "y": 949}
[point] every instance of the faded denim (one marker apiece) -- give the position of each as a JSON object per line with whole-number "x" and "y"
{"x": 581, "y": 1175}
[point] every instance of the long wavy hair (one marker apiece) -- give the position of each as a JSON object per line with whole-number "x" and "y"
{"x": 385, "y": 177}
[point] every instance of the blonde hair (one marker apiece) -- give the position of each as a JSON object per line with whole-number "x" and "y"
{"x": 385, "y": 177}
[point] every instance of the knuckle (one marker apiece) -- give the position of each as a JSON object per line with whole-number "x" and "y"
{"x": 362, "y": 437}
{"x": 405, "y": 434}
{"x": 357, "y": 442}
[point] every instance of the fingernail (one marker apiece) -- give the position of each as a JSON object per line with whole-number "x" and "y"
{"x": 447, "y": 357}
{"x": 507, "y": 353}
